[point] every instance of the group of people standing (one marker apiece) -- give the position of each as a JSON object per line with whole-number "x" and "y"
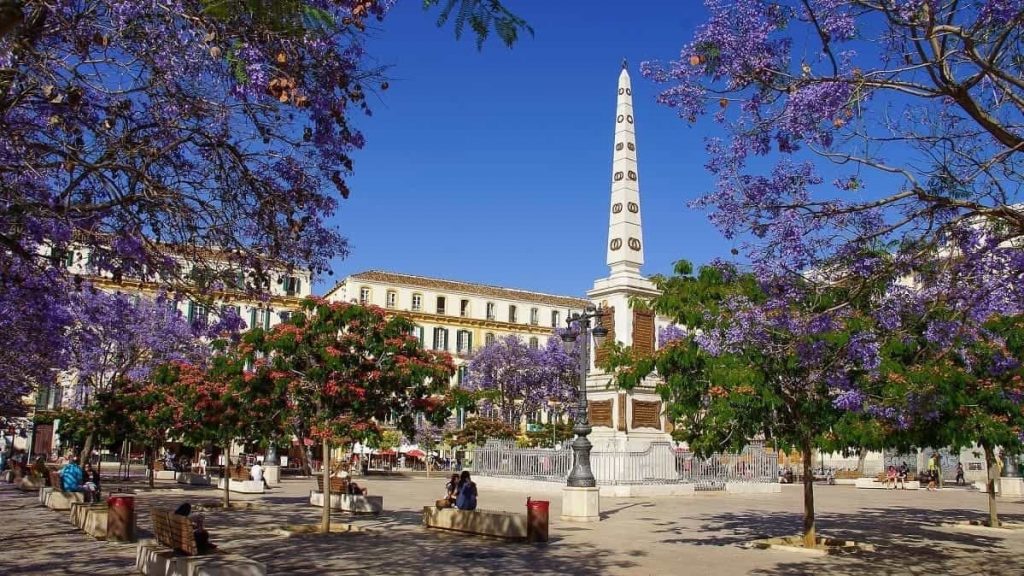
{"x": 460, "y": 492}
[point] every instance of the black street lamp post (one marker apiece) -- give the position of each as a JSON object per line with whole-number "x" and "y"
{"x": 582, "y": 476}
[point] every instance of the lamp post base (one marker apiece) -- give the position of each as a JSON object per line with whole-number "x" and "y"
{"x": 581, "y": 504}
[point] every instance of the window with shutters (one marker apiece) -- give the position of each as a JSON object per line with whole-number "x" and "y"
{"x": 534, "y": 316}
{"x": 391, "y": 299}
{"x": 556, "y": 318}
{"x": 228, "y": 310}
{"x": 490, "y": 311}
{"x": 488, "y": 339}
{"x": 198, "y": 314}
{"x": 464, "y": 342}
{"x": 253, "y": 320}
{"x": 418, "y": 332}
{"x": 534, "y": 343}
{"x": 292, "y": 286}
{"x": 464, "y": 308}
{"x": 512, "y": 314}
{"x": 440, "y": 304}
{"x": 462, "y": 373}
{"x": 417, "y": 302}
{"x": 440, "y": 339}
{"x": 284, "y": 315}
{"x": 364, "y": 295}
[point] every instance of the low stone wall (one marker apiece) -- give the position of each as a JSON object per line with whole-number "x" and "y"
{"x": 501, "y": 524}
{"x": 243, "y": 486}
{"x": 874, "y": 484}
{"x": 753, "y": 488}
{"x": 153, "y": 559}
{"x": 191, "y": 479}
{"x": 485, "y": 483}
{"x": 356, "y": 503}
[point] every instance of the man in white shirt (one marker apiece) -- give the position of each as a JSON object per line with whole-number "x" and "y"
{"x": 257, "y": 473}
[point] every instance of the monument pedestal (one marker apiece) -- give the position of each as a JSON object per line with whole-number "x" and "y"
{"x": 272, "y": 474}
{"x": 581, "y": 504}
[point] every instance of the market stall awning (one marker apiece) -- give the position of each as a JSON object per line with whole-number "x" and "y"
{"x": 416, "y": 453}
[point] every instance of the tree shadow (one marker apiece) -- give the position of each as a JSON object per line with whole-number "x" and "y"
{"x": 906, "y": 540}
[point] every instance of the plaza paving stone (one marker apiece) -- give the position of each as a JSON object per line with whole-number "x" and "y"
{"x": 683, "y": 535}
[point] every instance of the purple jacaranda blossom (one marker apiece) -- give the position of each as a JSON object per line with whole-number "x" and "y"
{"x": 523, "y": 379}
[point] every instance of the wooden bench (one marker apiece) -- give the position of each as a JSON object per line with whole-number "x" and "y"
{"x": 174, "y": 531}
{"x": 338, "y": 485}
{"x": 509, "y": 525}
{"x": 175, "y": 551}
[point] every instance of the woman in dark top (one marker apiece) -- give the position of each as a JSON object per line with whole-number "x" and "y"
{"x": 201, "y": 535}
{"x": 466, "y": 499}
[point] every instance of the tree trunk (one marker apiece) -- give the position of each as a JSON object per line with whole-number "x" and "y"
{"x": 862, "y": 455}
{"x": 85, "y": 456}
{"x": 227, "y": 474}
{"x": 809, "y": 533}
{"x": 152, "y": 467}
{"x": 325, "y": 516}
{"x": 992, "y": 471}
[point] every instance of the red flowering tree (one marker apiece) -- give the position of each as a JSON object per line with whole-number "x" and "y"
{"x": 348, "y": 368}
{"x": 225, "y": 402}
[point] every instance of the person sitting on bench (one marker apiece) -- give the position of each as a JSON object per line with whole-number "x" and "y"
{"x": 92, "y": 484}
{"x": 890, "y": 477}
{"x": 198, "y": 530}
{"x": 71, "y": 477}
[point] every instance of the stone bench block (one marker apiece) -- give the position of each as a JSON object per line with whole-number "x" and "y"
{"x": 79, "y": 510}
{"x": 194, "y": 479}
{"x": 165, "y": 475}
{"x": 243, "y": 486}
{"x": 44, "y": 494}
{"x": 62, "y": 500}
{"x": 362, "y": 504}
{"x": 509, "y": 525}
{"x": 30, "y": 484}
{"x": 355, "y": 503}
{"x": 874, "y": 484}
{"x": 152, "y": 559}
{"x": 95, "y": 523}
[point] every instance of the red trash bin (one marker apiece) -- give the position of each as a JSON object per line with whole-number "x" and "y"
{"x": 121, "y": 517}
{"x": 537, "y": 520}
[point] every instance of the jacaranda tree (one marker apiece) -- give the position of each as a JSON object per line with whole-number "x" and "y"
{"x": 948, "y": 382}
{"x": 913, "y": 108}
{"x": 516, "y": 379}
{"x": 753, "y": 364}
{"x": 347, "y": 369}
{"x": 117, "y": 340}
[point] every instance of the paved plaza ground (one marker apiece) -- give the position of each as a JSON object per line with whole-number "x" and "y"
{"x": 698, "y": 535}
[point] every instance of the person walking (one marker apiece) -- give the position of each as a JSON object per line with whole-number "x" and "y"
{"x": 960, "y": 474}
{"x": 933, "y": 473}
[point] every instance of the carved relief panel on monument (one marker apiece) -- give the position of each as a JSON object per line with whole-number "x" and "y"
{"x": 608, "y": 321}
{"x": 646, "y": 414}
{"x": 600, "y": 413}
{"x": 643, "y": 331}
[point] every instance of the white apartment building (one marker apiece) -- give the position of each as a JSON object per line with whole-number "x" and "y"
{"x": 460, "y": 317}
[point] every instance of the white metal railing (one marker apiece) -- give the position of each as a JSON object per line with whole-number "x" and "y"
{"x": 659, "y": 463}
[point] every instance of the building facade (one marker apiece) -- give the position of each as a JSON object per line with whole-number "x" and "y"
{"x": 460, "y": 317}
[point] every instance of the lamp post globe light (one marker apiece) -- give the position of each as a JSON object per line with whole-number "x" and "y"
{"x": 579, "y": 332}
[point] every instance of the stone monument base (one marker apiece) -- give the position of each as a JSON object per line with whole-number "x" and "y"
{"x": 581, "y": 504}
{"x": 272, "y": 474}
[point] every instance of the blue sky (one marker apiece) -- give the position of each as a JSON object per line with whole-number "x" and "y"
{"x": 495, "y": 166}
